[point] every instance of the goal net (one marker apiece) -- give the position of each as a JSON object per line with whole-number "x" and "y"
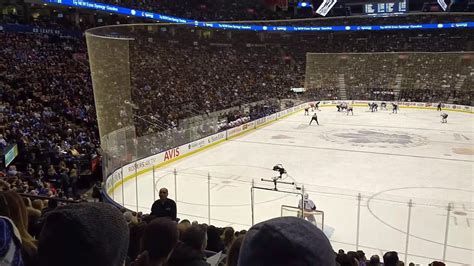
{"x": 316, "y": 217}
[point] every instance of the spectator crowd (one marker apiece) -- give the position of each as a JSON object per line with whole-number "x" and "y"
{"x": 179, "y": 74}
{"x": 38, "y": 233}
{"x": 224, "y": 78}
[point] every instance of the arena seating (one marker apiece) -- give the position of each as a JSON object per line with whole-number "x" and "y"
{"x": 47, "y": 107}
{"x": 242, "y": 70}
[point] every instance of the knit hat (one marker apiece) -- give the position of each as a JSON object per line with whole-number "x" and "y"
{"x": 84, "y": 234}
{"x": 286, "y": 241}
{"x": 10, "y": 243}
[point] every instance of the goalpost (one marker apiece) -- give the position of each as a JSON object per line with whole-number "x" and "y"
{"x": 316, "y": 217}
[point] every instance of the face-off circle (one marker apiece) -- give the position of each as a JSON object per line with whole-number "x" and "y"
{"x": 375, "y": 138}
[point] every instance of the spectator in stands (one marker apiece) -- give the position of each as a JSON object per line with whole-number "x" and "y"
{"x": 130, "y": 218}
{"x": 38, "y": 204}
{"x": 234, "y": 251}
{"x": 10, "y": 243}
{"x": 159, "y": 239}
{"x": 3, "y": 142}
{"x": 93, "y": 234}
{"x": 4, "y": 186}
{"x": 190, "y": 251}
{"x": 228, "y": 238}
{"x": 33, "y": 216}
{"x": 214, "y": 241}
{"x": 347, "y": 259}
{"x": 374, "y": 261}
{"x": 288, "y": 241}
{"x": 135, "y": 243}
{"x": 361, "y": 257}
{"x": 74, "y": 178}
{"x": 164, "y": 207}
{"x": 13, "y": 207}
{"x": 390, "y": 258}
{"x": 182, "y": 227}
{"x": 437, "y": 263}
{"x": 52, "y": 205}
{"x": 12, "y": 171}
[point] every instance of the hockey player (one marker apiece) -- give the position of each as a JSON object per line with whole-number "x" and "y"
{"x": 383, "y": 106}
{"x": 308, "y": 207}
{"x": 444, "y": 117}
{"x": 375, "y": 107}
{"x": 438, "y": 108}
{"x": 395, "y": 108}
{"x": 350, "y": 109}
{"x": 306, "y": 111}
{"x": 343, "y": 106}
{"x": 338, "y": 107}
{"x": 316, "y": 106}
{"x": 314, "y": 118}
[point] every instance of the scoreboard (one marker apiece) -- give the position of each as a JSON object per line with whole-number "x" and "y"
{"x": 386, "y": 7}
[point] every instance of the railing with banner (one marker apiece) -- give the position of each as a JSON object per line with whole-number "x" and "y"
{"x": 440, "y": 239}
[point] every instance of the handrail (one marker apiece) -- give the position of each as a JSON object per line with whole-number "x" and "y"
{"x": 24, "y": 195}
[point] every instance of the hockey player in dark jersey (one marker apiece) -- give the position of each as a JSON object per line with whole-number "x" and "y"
{"x": 316, "y": 106}
{"x": 438, "y": 108}
{"x": 383, "y": 106}
{"x": 314, "y": 118}
{"x": 394, "y": 108}
{"x": 375, "y": 107}
{"x": 444, "y": 118}
{"x": 306, "y": 111}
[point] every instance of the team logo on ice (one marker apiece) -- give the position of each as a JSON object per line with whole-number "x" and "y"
{"x": 375, "y": 138}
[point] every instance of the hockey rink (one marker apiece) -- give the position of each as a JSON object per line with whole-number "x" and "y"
{"x": 388, "y": 158}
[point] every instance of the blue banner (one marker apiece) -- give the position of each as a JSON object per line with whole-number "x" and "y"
{"x": 34, "y": 29}
{"x": 160, "y": 17}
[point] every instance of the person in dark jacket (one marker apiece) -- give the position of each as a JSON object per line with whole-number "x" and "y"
{"x": 214, "y": 241}
{"x": 164, "y": 207}
{"x": 190, "y": 251}
{"x": 159, "y": 239}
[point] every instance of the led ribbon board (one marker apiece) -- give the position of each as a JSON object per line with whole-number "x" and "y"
{"x": 150, "y": 15}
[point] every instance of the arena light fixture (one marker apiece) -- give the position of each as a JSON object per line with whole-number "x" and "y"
{"x": 304, "y": 4}
{"x": 326, "y": 6}
{"x": 442, "y": 4}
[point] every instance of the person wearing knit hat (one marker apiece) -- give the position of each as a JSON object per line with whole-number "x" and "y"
{"x": 84, "y": 234}
{"x": 286, "y": 241}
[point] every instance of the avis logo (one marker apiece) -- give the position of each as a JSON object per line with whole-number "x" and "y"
{"x": 170, "y": 154}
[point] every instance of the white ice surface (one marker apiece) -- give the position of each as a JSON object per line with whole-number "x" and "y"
{"x": 388, "y": 158}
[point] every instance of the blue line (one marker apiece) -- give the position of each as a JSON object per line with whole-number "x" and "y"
{"x": 150, "y": 15}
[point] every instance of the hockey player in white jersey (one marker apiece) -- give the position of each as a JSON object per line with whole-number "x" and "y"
{"x": 309, "y": 207}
